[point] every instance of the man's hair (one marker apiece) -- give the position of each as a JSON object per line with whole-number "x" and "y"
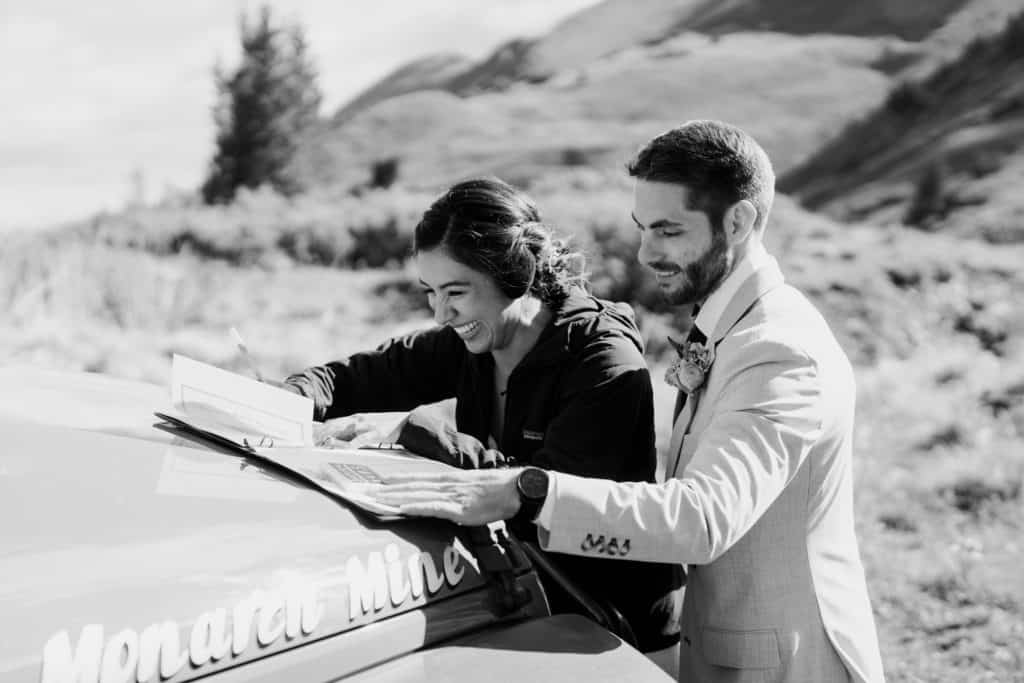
{"x": 493, "y": 228}
{"x": 718, "y": 163}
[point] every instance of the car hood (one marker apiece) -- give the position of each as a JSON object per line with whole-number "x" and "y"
{"x": 143, "y": 551}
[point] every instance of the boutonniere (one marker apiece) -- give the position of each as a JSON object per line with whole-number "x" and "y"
{"x": 692, "y": 363}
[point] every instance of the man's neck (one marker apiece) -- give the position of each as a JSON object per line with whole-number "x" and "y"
{"x": 740, "y": 252}
{"x": 746, "y": 256}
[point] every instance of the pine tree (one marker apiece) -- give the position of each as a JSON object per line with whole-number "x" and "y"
{"x": 264, "y": 107}
{"x": 930, "y": 201}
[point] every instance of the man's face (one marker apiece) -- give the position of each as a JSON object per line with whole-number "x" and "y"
{"x": 689, "y": 256}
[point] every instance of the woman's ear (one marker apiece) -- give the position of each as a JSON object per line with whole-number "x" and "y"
{"x": 739, "y": 220}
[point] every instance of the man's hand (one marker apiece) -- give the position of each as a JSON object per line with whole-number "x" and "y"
{"x": 469, "y": 497}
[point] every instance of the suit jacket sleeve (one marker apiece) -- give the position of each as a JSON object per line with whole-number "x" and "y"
{"x": 764, "y": 421}
{"x": 401, "y": 374}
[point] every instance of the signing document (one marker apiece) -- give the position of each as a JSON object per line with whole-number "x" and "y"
{"x": 275, "y": 426}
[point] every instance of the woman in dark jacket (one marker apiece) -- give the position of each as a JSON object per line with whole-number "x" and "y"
{"x": 542, "y": 372}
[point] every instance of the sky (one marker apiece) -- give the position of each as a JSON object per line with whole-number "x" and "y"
{"x": 102, "y": 102}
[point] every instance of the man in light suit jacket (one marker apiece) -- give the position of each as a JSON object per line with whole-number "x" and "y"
{"x": 758, "y": 501}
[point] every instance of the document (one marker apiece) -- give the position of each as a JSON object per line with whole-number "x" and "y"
{"x": 274, "y": 427}
{"x": 245, "y": 412}
{"x": 351, "y": 474}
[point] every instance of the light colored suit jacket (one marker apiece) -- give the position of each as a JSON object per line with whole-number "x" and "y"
{"x": 760, "y": 505}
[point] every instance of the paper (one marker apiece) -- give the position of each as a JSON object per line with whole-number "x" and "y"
{"x": 274, "y": 427}
{"x": 242, "y": 410}
{"x": 350, "y": 474}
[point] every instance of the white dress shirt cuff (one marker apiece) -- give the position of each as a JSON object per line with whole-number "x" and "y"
{"x": 543, "y": 520}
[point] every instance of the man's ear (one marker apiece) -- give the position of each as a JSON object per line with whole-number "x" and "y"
{"x": 739, "y": 220}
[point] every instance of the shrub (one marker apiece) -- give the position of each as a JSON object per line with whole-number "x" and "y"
{"x": 384, "y": 173}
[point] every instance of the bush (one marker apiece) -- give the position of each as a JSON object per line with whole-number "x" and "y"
{"x": 263, "y": 228}
{"x": 384, "y": 173}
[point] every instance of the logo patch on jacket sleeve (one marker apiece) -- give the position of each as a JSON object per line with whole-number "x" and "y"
{"x": 530, "y": 435}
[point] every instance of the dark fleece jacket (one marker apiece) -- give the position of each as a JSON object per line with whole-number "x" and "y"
{"x": 579, "y": 402}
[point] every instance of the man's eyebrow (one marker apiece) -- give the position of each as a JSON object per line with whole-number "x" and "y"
{"x": 660, "y": 223}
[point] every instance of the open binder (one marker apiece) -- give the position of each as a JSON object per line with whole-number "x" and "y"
{"x": 238, "y": 412}
{"x": 274, "y": 427}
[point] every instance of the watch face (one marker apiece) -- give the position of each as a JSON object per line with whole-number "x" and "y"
{"x": 533, "y": 483}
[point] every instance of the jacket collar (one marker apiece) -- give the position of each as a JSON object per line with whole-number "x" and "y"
{"x": 766, "y": 277}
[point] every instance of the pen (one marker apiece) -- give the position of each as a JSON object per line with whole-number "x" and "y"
{"x": 245, "y": 353}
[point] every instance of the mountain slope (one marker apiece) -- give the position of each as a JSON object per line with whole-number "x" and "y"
{"x": 907, "y": 19}
{"x": 793, "y": 93}
{"x": 615, "y": 25}
{"x": 936, "y": 151}
{"x": 427, "y": 73}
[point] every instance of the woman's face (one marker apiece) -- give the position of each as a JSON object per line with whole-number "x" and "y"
{"x": 468, "y": 301}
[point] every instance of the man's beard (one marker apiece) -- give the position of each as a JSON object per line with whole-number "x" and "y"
{"x": 701, "y": 277}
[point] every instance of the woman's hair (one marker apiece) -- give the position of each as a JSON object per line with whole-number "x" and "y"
{"x": 488, "y": 225}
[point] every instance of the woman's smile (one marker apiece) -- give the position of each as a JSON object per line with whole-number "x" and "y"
{"x": 468, "y": 330}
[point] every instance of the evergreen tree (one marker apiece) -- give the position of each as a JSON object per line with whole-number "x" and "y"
{"x": 930, "y": 202}
{"x": 263, "y": 109}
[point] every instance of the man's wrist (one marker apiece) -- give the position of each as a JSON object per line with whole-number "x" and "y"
{"x": 532, "y": 488}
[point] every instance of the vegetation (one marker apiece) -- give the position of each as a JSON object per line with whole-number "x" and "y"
{"x": 929, "y": 201}
{"x": 265, "y": 107}
{"x": 949, "y": 127}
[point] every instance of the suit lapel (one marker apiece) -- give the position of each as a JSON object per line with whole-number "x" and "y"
{"x": 762, "y": 281}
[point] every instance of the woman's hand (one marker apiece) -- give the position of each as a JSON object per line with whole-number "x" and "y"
{"x": 341, "y": 431}
{"x": 282, "y": 385}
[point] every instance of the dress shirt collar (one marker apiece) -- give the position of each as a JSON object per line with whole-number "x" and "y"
{"x": 711, "y": 312}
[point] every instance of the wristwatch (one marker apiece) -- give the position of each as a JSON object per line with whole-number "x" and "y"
{"x": 532, "y": 485}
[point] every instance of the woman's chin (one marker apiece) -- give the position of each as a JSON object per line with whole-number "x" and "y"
{"x": 477, "y": 344}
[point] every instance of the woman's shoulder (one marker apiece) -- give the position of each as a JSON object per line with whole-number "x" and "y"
{"x": 603, "y": 329}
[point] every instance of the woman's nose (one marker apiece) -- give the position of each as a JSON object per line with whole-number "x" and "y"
{"x": 442, "y": 312}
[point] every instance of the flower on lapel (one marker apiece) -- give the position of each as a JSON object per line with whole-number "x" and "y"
{"x": 687, "y": 371}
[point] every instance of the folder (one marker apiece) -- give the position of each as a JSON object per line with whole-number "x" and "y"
{"x": 238, "y": 411}
{"x": 274, "y": 427}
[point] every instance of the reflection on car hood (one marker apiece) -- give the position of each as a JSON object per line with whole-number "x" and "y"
{"x": 165, "y": 560}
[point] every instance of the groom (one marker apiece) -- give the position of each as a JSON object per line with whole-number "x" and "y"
{"x": 758, "y": 503}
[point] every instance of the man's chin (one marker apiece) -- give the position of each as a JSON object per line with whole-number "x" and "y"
{"x": 676, "y": 296}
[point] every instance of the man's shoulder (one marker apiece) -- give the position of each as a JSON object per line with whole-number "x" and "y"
{"x": 783, "y": 325}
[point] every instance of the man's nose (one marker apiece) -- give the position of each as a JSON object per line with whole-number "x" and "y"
{"x": 647, "y": 252}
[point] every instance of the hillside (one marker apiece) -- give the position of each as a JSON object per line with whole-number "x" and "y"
{"x": 944, "y": 153}
{"x": 792, "y": 92}
{"x": 611, "y": 26}
{"x": 907, "y": 19}
{"x": 428, "y": 73}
